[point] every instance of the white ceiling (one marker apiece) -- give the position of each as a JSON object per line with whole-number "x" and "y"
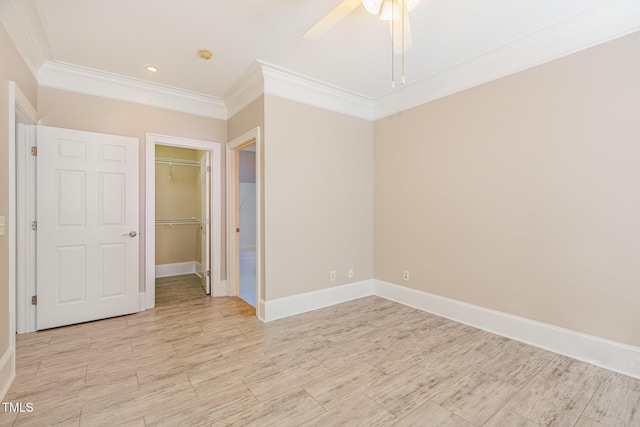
{"x": 123, "y": 36}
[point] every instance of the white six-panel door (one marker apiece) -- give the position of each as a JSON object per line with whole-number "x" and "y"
{"x": 87, "y": 242}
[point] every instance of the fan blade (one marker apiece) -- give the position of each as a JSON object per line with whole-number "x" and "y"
{"x": 331, "y": 19}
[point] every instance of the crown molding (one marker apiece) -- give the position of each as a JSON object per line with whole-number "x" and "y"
{"x": 73, "y": 78}
{"x": 297, "y": 87}
{"x": 606, "y": 21}
{"x": 22, "y": 21}
{"x": 591, "y": 27}
{"x": 245, "y": 90}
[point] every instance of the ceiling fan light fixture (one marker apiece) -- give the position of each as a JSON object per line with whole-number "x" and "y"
{"x": 372, "y": 6}
{"x": 392, "y": 9}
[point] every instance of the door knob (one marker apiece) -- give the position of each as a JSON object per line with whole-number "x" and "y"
{"x": 130, "y": 234}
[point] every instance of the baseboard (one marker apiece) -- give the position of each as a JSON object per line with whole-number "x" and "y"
{"x": 302, "y": 303}
{"x": 7, "y": 371}
{"x": 611, "y": 355}
{"x": 168, "y": 270}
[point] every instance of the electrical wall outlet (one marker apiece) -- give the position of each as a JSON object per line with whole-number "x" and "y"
{"x": 332, "y": 276}
{"x": 405, "y": 275}
{"x": 351, "y": 273}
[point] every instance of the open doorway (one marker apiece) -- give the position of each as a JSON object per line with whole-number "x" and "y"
{"x": 245, "y": 259}
{"x": 205, "y": 156}
{"x": 182, "y": 213}
{"x": 247, "y": 220}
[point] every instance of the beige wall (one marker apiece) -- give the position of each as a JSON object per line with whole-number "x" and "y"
{"x": 521, "y": 195}
{"x": 177, "y": 196}
{"x": 246, "y": 119}
{"x": 11, "y": 68}
{"x": 318, "y": 197}
{"x": 90, "y": 113}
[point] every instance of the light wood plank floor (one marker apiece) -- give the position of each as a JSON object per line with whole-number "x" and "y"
{"x": 194, "y": 360}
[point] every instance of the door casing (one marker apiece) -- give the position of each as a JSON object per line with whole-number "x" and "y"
{"x": 22, "y": 256}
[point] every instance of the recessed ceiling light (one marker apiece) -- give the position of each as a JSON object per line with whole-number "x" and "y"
{"x": 151, "y": 69}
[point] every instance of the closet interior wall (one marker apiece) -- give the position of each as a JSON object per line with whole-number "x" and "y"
{"x": 178, "y": 211}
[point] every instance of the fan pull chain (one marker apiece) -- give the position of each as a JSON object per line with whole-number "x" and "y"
{"x": 393, "y": 78}
{"x": 404, "y": 5}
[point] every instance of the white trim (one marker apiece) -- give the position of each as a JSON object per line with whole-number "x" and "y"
{"x": 21, "y": 242}
{"x": 607, "y": 354}
{"x": 215, "y": 150}
{"x": 297, "y": 87}
{"x": 74, "y": 78}
{"x": 233, "y": 251}
{"x": 176, "y": 269}
{"x": 222, "y": 290}
{"x": 302, "y": 303}
{"x": 25, "y": 236}
{"x": 7, "y": 371}
{"x": 142, "y": 301}
{"x": 245, "y": 90}
{"x": 22, "y": 21}
{"x": 593, "y": 26}
{"x": 11, "y": 213}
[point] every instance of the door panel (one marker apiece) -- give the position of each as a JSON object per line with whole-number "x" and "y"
{"x": 87, "y": 198}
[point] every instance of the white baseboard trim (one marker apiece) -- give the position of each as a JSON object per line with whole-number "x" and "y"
{"x": 302, "y": 303}
{"x": 168, "y": 270}
{"x": 7, "y": 371}
{"x": 611, "y": 355}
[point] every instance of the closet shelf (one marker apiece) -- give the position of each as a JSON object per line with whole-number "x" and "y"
{"x": 181, "y": 162}
{"x": 178, "y": 221}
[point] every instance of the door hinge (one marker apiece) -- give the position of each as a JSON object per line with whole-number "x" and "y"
{"x": 34, "y": 225}
{"x": 208, "y": 168}
{"x": 208, "y": 273}
{"x": 34, "y": 151}
{"x": 34, "y": 300}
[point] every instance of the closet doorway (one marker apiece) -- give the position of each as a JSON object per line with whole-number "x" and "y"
{"x": 183, "y": 212}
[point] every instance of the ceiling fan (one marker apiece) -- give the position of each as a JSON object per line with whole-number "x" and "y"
{"x": 394, "y": 11}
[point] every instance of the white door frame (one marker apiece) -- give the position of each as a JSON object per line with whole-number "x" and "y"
{"x": 215, "y": 149}
{"x": 233, "y": 262}
{"x": 22, "y": 251}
